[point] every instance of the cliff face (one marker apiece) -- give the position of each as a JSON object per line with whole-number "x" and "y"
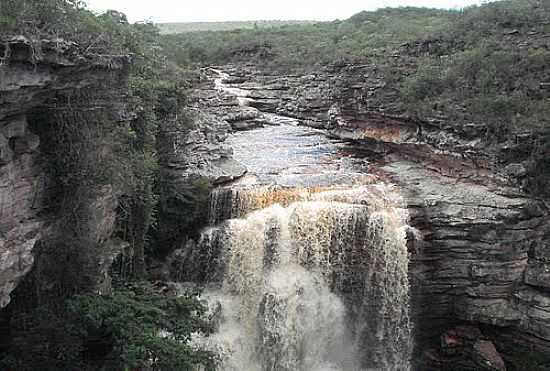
{"x": 479, "y": 272}
{"x": 192, "y": 159}
{"x": 485, "y": 229}
{"x": 37, "y": 81}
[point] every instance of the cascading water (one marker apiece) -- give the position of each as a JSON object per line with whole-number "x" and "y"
{"x": 305, "y": 265}
{"x": 240, "y": 94}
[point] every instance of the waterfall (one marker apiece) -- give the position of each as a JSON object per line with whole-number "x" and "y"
{"x": 240, "y": 94}
{"x": 306, "y": 279}
{"x": 304, "y": 265}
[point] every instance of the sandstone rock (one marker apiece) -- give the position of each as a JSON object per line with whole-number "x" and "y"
{"x": 6, "y": 153}
{"x": 245, "y": 114}
{"x": 542, "y": 250}
{"x": 198, "y": 151}
{"x": 245, "y": 125}
{"x": 455, "y": 342}
{"x": 22, "y": 190}
{"x": 34, "y": 73}
{"x": 16, "y": 257}
{"x": 15, "y": 128}
{"x": 538, "y": 274}
{"x": 515, "y": 170}
{"x": 486, "y": 356}
{"x": 26, "y": 144}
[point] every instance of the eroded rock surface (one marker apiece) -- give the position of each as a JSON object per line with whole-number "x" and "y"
{"x": 32, "y": 73}
{"x": 198, "y": 151}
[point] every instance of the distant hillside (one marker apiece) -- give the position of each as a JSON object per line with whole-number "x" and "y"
{"x": 296, "y": 46}
{"x": 173, "y": 28}
{"x": 485, "y": 64}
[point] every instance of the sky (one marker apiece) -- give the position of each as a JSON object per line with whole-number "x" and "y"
{"x": 246, "y": 10}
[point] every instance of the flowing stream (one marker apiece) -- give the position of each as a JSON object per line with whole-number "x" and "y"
{"x": 304, "y": 264}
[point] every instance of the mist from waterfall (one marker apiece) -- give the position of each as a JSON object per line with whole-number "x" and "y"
{"x": 314, "y": 283}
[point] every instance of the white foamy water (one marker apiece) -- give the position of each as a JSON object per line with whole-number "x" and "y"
{"x": 315, "y": 285}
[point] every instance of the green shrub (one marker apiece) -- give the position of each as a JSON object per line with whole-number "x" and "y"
{"x": 486, "y": 78}
{"x": 309, "y": 46}
{"x": 135, "y": 329}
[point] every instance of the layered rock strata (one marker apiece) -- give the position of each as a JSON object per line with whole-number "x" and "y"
{"x": 37, "y": 80}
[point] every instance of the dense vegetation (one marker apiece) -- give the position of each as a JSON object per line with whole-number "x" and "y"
{"x": 299, "y": 47}
{"x": 488, "y": 66}
{"x": 173, "y": 28}
{"x": 69, "y": 20}
{"x": 136, "y": 328}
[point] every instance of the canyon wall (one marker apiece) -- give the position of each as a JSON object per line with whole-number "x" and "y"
{"x": 45, "y": 85}
{"x": 479, "y": 271}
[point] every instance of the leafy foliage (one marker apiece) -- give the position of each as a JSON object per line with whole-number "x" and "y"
{"x": 491, "y": 74}
{"x": 66, "y": 19}
{"x": 305, "y": 47}
{"x": 134, "y": 329}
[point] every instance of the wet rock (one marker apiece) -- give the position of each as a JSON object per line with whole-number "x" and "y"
{"x": 456, "y": 341}
{"x": 25, "y": 144}
{"x": 245, "y": 114}
{"x": 6, "y": 153}
{"x": 16, "y": 127}
{"x": 246, "y": 125}
{"x": 197, "y": 150}
{"x": 515, "y": 170}
{"x": 538, "y": 274}
{"x": 486, "y": 356}
{"x": 464, "y": 348}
